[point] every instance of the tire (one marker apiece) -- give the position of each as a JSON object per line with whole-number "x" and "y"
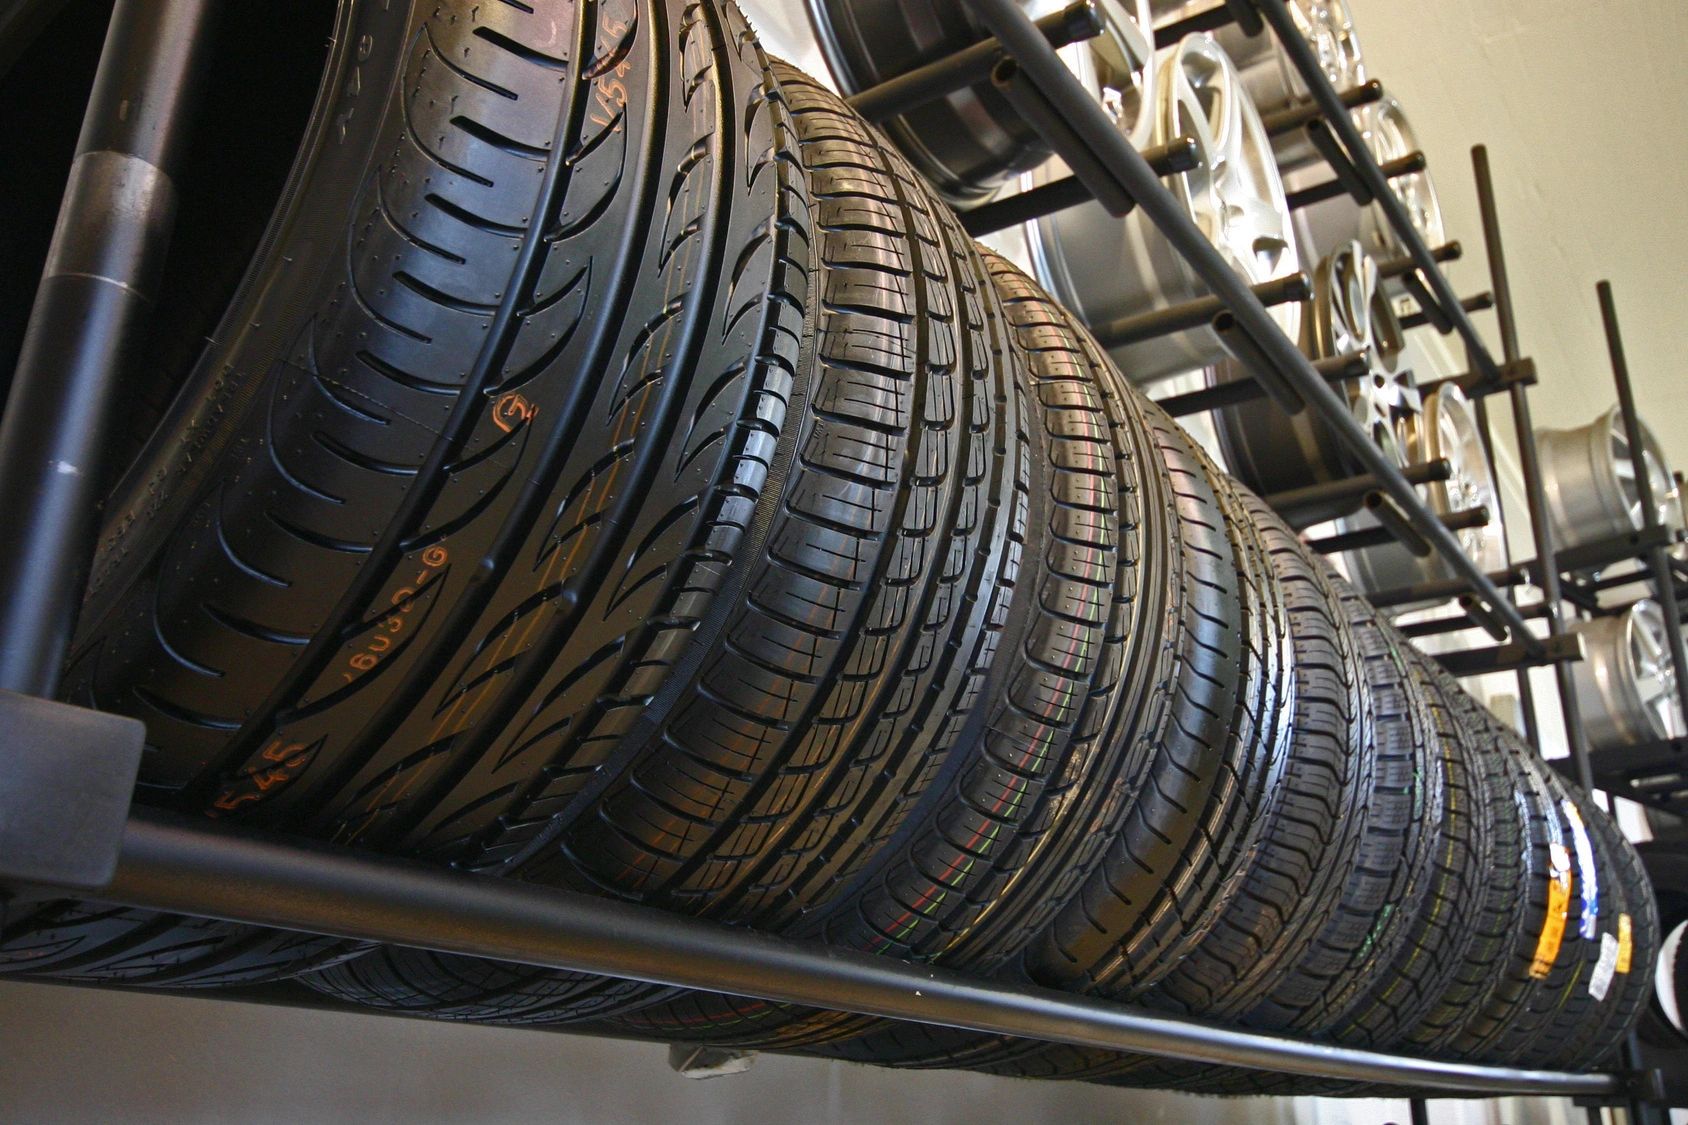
{"x": 1503, "y": 885}
{"x": 1604, "y": 1004}
{"x": 791, "y": 755}
{"x": 1507, "y": 1017}
{"x": 1394, "y": 864}
{"x": 1316, "y": 813}
{"x": 1444, "y": 924}
{"x": 1632, "y": 990}
{"x": 1125, "y": 889}
{"x": 982, "y": 840}
{"x": 1312, "y": 831}
{"x": 371, "y": 583}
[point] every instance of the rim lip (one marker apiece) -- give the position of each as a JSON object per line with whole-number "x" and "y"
{"x": 1448, "y": 409}
{"x": 1611, "y": 676}
{"x": 1583, "y": 461}
{"x": 1608, "y": 431}
{"x": 1334, "y": 16}
{"x": 1389, "y": 134}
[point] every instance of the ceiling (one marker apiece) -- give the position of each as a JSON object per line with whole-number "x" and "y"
{"x": 1583, "y": 105}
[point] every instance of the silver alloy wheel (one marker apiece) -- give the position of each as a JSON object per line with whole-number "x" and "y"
{"x": 1274, "y": 82}
{"x": 1272, "y": 451}
{"x": 1105, "y": 267}
{"x": 1589, "y": 474}
{"x": 1389, "y": 136}
{"x": 972, "y": 142}
{"x": 1625, "y": 684}
{"x": 1447, "y": 428}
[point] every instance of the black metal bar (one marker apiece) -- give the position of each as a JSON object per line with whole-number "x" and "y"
{"x": 1429, "y": 310}
{"x": 1024, "y": 206}
{"x": 1444, "y": 589}
{"x": 1395, "y": 267}
{"x": 1560, "y": 651}
{"x": 1031, "y": 101}
{"x": 180, "y": 866}
{"x": 1294, "y": 116}
{"x": 1477, "y": 302}
{"x": 1177, "y": 155}
{"x": 1301, "y": 56}
{"x": 1379, "y": 536}
{"x": 1085, "y": 120}
{"x": 1336, "y": 369}
{"x": 1330, "y": 189}
{"x": 1247, "y": 351}
{"x": 1385, "y": 511}
{"x": 1316, "y": 503}
{"x": 1664, "y": 581}
{"x": 1604, "y": 552}
{"x": 1220, "y": 15}
{"x": 95, "y": 296}
{"x": 1193, "y": 314}
{"x": 969, "y": 66}
{"x": 1547, "y": 566}
{"x": 1485, "y": 620}
{"x": 1479, "y": 387}
{"x": 1438, "y": 626}
{"x": 1420, "y": 1113}
{"x": 1348, "y": 177}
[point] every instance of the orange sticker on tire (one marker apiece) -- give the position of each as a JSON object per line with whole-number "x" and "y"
{"x": 1558, "y": 906}
{"x": 1626, "y": 943}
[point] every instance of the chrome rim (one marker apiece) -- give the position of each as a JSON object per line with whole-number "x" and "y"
{"x": 1107, "y": 267}
{"x": 1590, "y": 475}
{"x": 1451, "y": 427}
{"x": 1390, "y": 136}
{"x": 1626, "y": 684}
{"x": 1274, "y": 451}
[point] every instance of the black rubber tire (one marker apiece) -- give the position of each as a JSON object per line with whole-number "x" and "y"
{"x": 1634, "y": 989}
{"x": 371, "y": 582}
{"x": 1590, "y": 1027}
{"x": 1506, "y": 1018}
{"x": 983, "y": 842}
{"x": 1440, "y": 933}
{"x": 1394, "y": 866}
{"x": 1316, "y": 813}
{"x": 791, "y": 756}
{"x": 1502, "y": 890}
{"x": 1313, "y": 825}
{"x": 1127, "y": 888}
{"x": 1444, "y": 922}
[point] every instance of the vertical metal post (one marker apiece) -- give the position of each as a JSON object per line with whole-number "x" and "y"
{"x": 1529, "y": 463}
{"x": 1419, "y": 1111}
{"x": 96, "y": 292}
{"x": 1658, "y": 558}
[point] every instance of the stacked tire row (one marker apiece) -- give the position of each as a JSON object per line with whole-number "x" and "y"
{"x": 642, "y": 485}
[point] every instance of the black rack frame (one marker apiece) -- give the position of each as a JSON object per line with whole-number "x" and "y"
{"x": 163, "y": 863}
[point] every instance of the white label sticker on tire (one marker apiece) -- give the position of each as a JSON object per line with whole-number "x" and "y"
{"x": 1601, "y": 979}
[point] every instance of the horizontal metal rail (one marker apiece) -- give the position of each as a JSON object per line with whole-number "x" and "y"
{"x": 1085, "y": 119}
{"x": 182, "y": 866}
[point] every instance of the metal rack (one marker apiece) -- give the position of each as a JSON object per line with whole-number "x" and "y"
{"x": 141, "y": 858}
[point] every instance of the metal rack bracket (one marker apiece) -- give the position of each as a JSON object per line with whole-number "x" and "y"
{"x": 65, "y": 790}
